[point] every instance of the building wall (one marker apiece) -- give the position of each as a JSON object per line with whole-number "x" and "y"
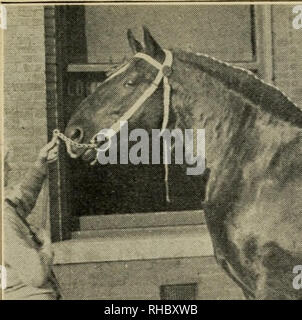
{"x": 25, "y": 124}
{"x": 142, "y": 279}
{"x": 287, "y": 50}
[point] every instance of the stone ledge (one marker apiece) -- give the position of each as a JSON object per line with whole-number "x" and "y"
{"x": 142, "y": 220}
{"x": 135, "y": 244}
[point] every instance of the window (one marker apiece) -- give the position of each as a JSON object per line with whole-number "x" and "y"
{"x": 179, "y": 292}
{"x": 96, "y": 38}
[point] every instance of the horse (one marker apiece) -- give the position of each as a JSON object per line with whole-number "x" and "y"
{"x": 253, "y": 147}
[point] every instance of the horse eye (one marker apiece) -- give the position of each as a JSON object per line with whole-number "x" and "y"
{"x": 129, "y": 83}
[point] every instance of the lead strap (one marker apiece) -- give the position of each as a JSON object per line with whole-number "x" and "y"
{"x": 167, "y": 91}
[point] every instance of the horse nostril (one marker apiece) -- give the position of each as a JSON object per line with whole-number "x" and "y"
{"x": 77, "y": 134}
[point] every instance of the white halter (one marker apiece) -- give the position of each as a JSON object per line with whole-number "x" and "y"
{"x": 164, "y": 71}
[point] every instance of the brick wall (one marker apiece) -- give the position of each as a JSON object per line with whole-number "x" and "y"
{"x": 24, "y": 90}
{"x": 287, "y": 53}
{"x": 142, "y": 279}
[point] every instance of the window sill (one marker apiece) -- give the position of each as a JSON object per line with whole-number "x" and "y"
{"x": 134, "y": 244}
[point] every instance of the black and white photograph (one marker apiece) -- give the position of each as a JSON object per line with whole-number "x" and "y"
{"x": 151, "y": 151}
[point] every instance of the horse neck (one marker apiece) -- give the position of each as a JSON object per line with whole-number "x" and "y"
{"x": 202, "y": 102}
{"x": 241, "y": 138}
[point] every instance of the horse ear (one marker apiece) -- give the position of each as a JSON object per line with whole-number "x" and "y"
{"x": 153, "y": 49}
{"x": 134, "y": 44}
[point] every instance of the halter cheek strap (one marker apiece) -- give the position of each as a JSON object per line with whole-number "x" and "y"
{"x": 163, "y": 73}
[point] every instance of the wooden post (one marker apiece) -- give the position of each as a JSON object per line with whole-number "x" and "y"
{"x": 55, "y": 68}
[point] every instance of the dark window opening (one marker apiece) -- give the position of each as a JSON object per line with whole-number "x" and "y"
{"x": 179, "y": 292}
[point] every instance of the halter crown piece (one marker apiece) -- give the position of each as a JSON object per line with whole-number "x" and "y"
{"x": 164, "y": 71}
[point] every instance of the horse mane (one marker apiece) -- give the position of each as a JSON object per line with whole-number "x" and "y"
{"x": 270, "y": 98}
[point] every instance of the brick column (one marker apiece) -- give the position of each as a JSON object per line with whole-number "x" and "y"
{"x": 25, "y": 124}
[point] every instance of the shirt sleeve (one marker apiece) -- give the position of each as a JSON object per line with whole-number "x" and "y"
{"x": 25, "y": 194}
{"x": 23, "y": 258}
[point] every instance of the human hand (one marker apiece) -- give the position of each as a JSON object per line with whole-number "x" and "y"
{"x": 46, "y": 248}
{"x": 49, "y": 153}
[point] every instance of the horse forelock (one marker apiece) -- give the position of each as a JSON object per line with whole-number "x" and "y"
{"x": 246, "y": 84}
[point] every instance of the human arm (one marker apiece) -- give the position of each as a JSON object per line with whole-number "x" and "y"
{"x": 25, "y": 194}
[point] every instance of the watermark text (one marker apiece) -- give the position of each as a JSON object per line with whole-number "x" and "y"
{"x": 297, "y": 282}
{"x": 3, "y": 277}
{"x": 297, "y": 21}
{"x": 188, "y": 146}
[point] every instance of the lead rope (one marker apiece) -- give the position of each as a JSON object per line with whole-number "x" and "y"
{"x": 167, "y": 91}
{"x": 69, "y": 142}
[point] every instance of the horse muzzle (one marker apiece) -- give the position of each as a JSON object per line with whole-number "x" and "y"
{"x": 75, "y": 133}
{"x": 74, "y": 146}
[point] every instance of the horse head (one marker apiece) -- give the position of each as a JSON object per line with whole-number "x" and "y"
{"x": 114, "y": 97}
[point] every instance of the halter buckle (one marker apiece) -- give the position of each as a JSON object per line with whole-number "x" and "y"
{"x": 167, "y": 71}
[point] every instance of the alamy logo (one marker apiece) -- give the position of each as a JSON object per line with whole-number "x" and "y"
{"x": 297, "y": 22}
{"x": 3, "y": 277}
{"x": 189, "y": 147}
{"x": 297, "y": 282}
{"x": 3, "y": 22}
